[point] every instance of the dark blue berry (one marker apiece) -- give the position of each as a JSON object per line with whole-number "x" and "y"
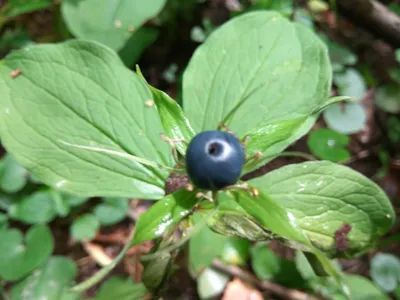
{"x": 214, "y": 160}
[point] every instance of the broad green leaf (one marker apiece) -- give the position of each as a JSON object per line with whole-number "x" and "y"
{"x": 398, "y": 55}
{"x": 85, "y": 227}
{"x": 175, "y": 124}
{"x": 388, "y": 98}
{"x": 204, "y": 247}
{"x": 111, "y": 211}
{"x": 139, "y": 41}
{"x": 22, "y": 255}
{"x": 328, "y": 144}
{"x": 71, "y": 101}
{"x": 350, "y": 83}
{"x": 13, "y": 176}
{"x": 254, "y": 70}
{"x": 19, "y": 7}
{"x": 39, "y": 207}
{"x": 211, "y": 283}
{"x": 111, "y": 23}
{"x": 235, "y": 251}
{"x": 323, "y": 196}
{"x": 164, "y": 214}
{"x": 48, "y": 282}
{"x": 121, "y": 289}
{"x": 273, "y": 138}
{"x": 347, "y": 118}
{"x": 385, "y": 271}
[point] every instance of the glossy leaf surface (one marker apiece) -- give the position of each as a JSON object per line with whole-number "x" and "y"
{"x": 323, "y": 196}
{"x": 163, "y": 215}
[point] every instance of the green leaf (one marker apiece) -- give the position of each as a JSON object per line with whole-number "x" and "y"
{"x": 304, "y": 267}
{"x": 230, "y": 219}
{"x": 235, "y": 251}
{"x": 121, "y": 289}
{"x": 273, "y": 138}
{"x": 58, "y": 126}
{"x": 37, "y": 208}
{"x": 13, "y": 176}
{"x": 19, "y": 7}
{"x": 111, "y": 211}
{"x": 269, "y": 214}
{"x": 14, "y": 38}
{"x": 3, "y": 221}
{"x": 158, "y": 271}
{"x": 388, "y": 98}
{"x": 85, "y": 227}
{"x": 175, "y": 124}
{"x": 328, "y": 144}
{"x": 19, "y": 258}
{"x": 350, "y": 83}
{"x": 264, "y": 262}
{"x": 48, "y": 282}
{"x": 204, "y": 247}
{"x": 74, "y": 201}
{"x": 323, "y": 196}
{"x": 139, "y": 41}
{"x": 110, "y": 23}
{"x": 398, "y": 55}
{"x": 211, "y": 283}
{"x": 347, "y": 118}
{"x": 385, "y": 271}
{"x": 254, "y": 70}
{"x": 163, "y": 215}
{"x": 360, "y": 289}
{"x": 267, "y": 265}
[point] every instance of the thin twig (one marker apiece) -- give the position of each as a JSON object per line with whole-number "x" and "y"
{"x": 278, "y": 290}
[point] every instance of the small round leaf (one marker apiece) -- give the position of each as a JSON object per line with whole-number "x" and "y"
{"x": 328, "y": 144}
{"x": 388, "y": 98}
{"x": 85, "y": 227}
{"x": 348, "y": 119}
{"x": 385, "y": 271}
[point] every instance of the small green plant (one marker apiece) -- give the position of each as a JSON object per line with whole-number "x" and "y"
{"x": 75, "y": 117}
